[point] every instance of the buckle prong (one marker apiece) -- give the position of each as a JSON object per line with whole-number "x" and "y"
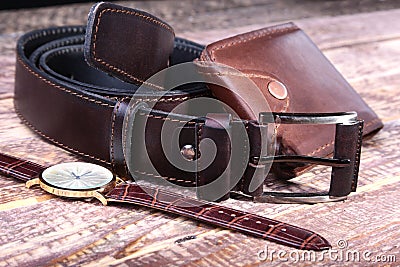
{"x": 293, "y": 198}
{"x": 305, "y": 118}
{"x": 302, "y": 159}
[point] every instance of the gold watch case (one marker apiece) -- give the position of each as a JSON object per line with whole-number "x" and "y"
{"x": 76, "y": 180}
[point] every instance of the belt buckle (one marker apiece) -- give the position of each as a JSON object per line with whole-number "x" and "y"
{"x": 345, "y": 161}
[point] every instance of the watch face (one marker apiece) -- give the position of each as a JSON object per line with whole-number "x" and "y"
{"x": 77, "y": 176}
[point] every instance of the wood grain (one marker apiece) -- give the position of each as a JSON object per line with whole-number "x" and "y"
{"x": 196, "y": 14}
{"x": 41, "y": 230}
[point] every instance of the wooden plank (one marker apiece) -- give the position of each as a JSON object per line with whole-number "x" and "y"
{"x": 326, "y": 32}
{"x": 73, "y": 233}
{"x": 196, "y": 15}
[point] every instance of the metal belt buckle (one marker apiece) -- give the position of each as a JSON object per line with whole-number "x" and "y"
{"x": 345, "y": 161}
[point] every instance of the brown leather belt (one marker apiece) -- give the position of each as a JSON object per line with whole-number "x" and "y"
{"x": 82, "y": 108}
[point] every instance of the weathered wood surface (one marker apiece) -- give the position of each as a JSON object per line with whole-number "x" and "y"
{"x": 37, "y": 229}
{"x": 197, "y": 14}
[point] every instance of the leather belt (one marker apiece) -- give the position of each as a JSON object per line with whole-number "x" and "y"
{"x": 83, "y": 108}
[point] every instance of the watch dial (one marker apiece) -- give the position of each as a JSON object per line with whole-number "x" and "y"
{"x": 77, "y": 176}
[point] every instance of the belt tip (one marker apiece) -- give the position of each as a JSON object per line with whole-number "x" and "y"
{"x": 318, "y": 244}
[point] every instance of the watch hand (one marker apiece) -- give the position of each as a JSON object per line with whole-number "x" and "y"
{"x": 76, "y": 176}
{"x": 85, "y": 174}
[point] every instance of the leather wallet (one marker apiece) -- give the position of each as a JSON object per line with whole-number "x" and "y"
{"x": 294, "y": 77}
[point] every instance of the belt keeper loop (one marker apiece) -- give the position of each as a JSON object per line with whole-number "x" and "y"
{"x": 213, "y": 181}
{"x": 254, "y": 176}
{"x": 116, "y": 141}
{"x": 348, "y": 140}
{"x": 118, "y": 138}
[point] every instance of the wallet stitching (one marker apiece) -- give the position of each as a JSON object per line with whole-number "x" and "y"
{"x": 63, "y": 88}
{"x": 258, "y": 34}
{"x": 323, "y": 147}
{"x": 101, "y": 61}
{"x": 332, "y": 142}
{"x": 240, "y": 74}
{"x": 56, "y": 142}
{"x": 250, "y": 75}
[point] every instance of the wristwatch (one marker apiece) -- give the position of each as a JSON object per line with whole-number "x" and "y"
{"x": 87, "y": 180}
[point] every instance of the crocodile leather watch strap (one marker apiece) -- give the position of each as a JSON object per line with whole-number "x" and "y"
{"x": 18, "y": 168}
{"x": 244, "y": 222}
{"x": 207, "y": 212}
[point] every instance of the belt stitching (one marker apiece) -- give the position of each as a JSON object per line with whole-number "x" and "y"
{"x": 56, "y": 142}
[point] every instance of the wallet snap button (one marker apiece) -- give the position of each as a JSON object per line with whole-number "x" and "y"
{"x": 277, "y": 90}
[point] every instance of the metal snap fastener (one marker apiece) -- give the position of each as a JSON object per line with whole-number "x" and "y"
{"x": 277, "y": 90}
{"x": 188, "y": 152}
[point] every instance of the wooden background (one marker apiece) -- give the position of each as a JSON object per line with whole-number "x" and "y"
{"x": 39, "y": 229}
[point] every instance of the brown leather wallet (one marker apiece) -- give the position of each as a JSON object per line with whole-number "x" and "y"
{"x": 294, "y": 77}
{"x": 86, "y": 108}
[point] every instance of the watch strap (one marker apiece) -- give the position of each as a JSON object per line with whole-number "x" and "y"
{"x": 20, "y": 169}
{"x": 244, "y": 222}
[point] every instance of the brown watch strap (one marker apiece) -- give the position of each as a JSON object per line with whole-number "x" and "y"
{"x": 207, "y": 212}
